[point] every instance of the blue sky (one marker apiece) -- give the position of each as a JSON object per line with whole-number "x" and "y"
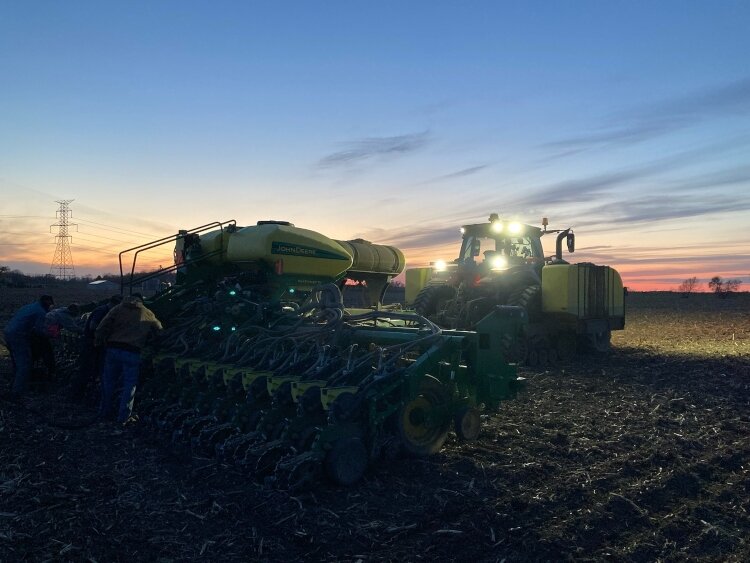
{"x": 396, "y": 121}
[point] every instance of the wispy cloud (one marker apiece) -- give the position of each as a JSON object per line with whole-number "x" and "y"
{"x": 458, "y": 174}
{"x": 594, "y": 190}
{"x": 417, "y": 236}
{"x": 355, "y": 152}
{"x": 654, "y": 120}
{"x": 714, "y": 179}
{"x": 652, "y": 208}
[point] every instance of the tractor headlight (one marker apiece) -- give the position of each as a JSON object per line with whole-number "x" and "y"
{"x": 439, "y": 266}
{"x": 497, "y": 226}
{"x": 515, "y": 228}
{"x": 498, "y": 262}
{"x": 463, "y": 230}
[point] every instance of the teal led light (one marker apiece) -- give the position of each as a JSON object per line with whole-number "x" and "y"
{"x": 233, "y": 292}
{"x": 216, "y": 327}
{"x": 291, "y": 290}
{"x": 234, "y": 328}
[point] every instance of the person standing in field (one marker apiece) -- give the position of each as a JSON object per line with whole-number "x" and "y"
{"x": 92, "y": 357}
{"x": 124, "y": 331}
{"x": 26, "y": 324}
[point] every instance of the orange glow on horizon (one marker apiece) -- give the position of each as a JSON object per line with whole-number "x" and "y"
{"x": 648, "y": 274}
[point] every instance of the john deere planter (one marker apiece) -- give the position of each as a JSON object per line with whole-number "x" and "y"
{"x": 261, "y": 365}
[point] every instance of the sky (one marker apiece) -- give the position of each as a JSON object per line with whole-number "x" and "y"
{"x": 396, "y": 122}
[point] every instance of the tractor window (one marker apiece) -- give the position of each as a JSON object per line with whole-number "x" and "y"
{"x": 484, "y": 243}
{"x": 518, "y": 247}
{"x": 521, "y": 247}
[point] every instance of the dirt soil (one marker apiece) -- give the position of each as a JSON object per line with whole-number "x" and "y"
{"x": 642, "y": 455}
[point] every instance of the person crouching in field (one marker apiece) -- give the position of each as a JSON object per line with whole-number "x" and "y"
{"x": 92, "y": 357}
{"x": 124, "y": 331}
{"x": 56, "y": 320}
{"x": 27, "y": 324}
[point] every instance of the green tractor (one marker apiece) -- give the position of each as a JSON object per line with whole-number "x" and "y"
{"x": 569, "y": 306}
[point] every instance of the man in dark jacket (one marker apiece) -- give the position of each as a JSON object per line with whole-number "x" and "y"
{"x": 124, "y": 331}
{"x": 25, "y": 324}
{"x": 92, "y": 357}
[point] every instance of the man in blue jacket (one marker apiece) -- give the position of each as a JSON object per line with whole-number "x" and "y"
{"x": 27, "y": 322}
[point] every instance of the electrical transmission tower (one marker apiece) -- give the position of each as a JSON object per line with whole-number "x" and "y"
{"x": 62, "y": 261}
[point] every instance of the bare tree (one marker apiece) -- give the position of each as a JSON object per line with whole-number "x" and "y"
{"x": 716, "y": 285}
{"x": 730, "y": 286}
{"x": 723, "y": 288}
{"x": 688, "y": 286}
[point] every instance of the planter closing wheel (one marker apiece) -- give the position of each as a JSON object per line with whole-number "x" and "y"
{"x": 346, "y": 463}
{"x": 422, "y": 422}
{"x": 467, "y": 423}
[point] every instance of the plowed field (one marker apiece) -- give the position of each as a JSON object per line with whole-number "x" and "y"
{"x": 641, "y": 455}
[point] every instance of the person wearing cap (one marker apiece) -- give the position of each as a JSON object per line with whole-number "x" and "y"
{"x": 28, "y": 322}
{"x": 92, "y": 357}
{"x": 124, "y": 331}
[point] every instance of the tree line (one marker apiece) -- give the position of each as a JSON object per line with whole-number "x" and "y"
{"x": 16, "y": 278}
{"x": 718, "y": 285}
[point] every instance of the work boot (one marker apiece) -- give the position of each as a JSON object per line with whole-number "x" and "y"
{"x": 132, "y": 420}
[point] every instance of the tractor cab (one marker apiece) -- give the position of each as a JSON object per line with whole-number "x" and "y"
{"x": 491, "y": 249}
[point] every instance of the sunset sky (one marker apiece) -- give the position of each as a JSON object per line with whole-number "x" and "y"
{"x": 392, "y": 121}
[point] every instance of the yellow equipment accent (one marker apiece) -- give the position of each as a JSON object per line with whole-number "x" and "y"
{"x": 248, "y": 376}
{"x": 329, "y": 394}
{"x": 214, "y": 244}
{"x": 300, "y": 387}
{"x": 301, "y": 251}
{"x": 416, "y": 279}
{"x": 273, "y": 383}
{"x": 231, "y": 372}
{"x": 582, "y": 290}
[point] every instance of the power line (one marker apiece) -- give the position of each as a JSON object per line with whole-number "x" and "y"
{"x": 106, "y": 238}
{"x": 110, "y": 227}
{"x": 26, "y": 217}
{"x": 23, "y": 243}
{"x": 62, "y": 260}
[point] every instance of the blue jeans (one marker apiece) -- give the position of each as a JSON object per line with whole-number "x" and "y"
{"x": 120, "y": 371}
{"x": 20, "y": 353}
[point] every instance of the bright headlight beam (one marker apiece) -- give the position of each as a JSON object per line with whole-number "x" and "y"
{"x": 499, "y": 263}
{"x": 514, "y": 228}
{"x": 439, "y": 266}
{"x": 497, "y": 226}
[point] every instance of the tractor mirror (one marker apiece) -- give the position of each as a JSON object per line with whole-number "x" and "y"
{"x": 476, "y": 247}
{"x": 571, "y": 239}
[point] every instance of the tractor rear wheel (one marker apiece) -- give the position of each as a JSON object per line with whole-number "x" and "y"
{"x": 431, "y": 299}
{"x": 530, "y": 298}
